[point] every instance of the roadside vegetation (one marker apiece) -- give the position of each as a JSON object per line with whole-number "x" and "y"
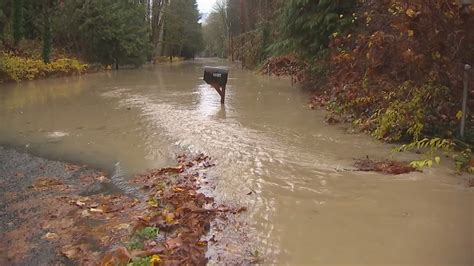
{"x": 394, "y": 68}
{"x": 17, "y": 68}
{"x": 51, "y": 38}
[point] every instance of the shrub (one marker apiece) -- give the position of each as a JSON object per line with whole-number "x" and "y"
{"x": 398, "y": 74}
{"x": 16, "y": 68}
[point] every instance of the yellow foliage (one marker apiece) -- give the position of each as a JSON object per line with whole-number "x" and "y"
{"x": 154, "y": 260}
{"x": 15, "y": 68}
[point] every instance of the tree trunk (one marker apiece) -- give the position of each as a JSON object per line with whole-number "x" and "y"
{"x": 157, "y": 22}
{"x": 47, "y": 38}
{"x": 17, "y": 21}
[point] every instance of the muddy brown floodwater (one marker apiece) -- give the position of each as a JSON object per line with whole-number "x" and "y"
{"x": 273, "y": 155}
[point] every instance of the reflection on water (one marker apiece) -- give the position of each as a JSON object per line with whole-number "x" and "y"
{"x": 272, "y": 153}
{"x": 30, "y": 93}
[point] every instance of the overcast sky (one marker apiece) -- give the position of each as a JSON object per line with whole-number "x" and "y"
{"x": 205, "y": 6}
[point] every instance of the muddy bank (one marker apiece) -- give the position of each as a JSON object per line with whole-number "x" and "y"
{"x": 58, "y": 213}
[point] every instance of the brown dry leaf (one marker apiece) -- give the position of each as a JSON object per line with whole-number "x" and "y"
{"x": 471, "y": 163}
{"x": 80, "y": 203}
{"x": 169, "y": 218}
{"x": 122, "y": 226}
{"x": 145, "y": 253}
{"x": 411, "y": 13}
{"x": 201, "y": 243}
{"x": 119, "y": 256}
{"x": 177, "y": 189}
{"x": 50, "y": 236}
{"x": 174, "y": 242}
{"x": 387, "y": 167}
{"x": 122, "y": 254}
{"x": 103, "y": 179}
{"x": 96, "y": 210}
{"x": 44, "y": 181}
{"x": 70, "y": 252}
{"x": 72, "y": 168}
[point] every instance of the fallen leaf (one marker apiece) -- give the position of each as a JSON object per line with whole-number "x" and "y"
{"x": 174, "y": 243}
{"x": 153, "y": 203}
{"x": 411, "y": 13}
{"x": 50, "y": 236}
{"x": 96, "y": 210}
{"x": 201, "y": 243}
{"x": 122, "y": 226}
{"x": 80, "y": 203}
{"x": 119, "y": 256}
{"x": 155, "y": 259}
{"x": 70, "y": 252}
{"x": 169, "y": 218}
{"x": 103, "y": 179}
{"x": 146, "y": 253}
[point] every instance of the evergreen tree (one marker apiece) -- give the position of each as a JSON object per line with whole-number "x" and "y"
{"x": 47, "y": 42}
{"x": 306, "y": 26}
{"x": 3, "y": 19}
{"x": 183, "y": 33}
{"x": 17, "y": 20}
{"x": 116, "y": 31}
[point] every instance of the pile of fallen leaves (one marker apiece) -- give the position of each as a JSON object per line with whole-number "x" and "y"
{"x": 177, "y": 217}
{"x": 90, "y": 227}
{"x": 386, "y": 166}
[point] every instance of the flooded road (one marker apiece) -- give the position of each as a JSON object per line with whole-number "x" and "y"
{"x": 273, "y": 155}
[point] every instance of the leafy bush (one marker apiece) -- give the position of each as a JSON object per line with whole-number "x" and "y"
{"x": 398, "y": 74}
{"x": 249, "y": 48}
{"x": 431, "y": 146}
{"x": 408, "y": 111}
{"x": 16, "y": 68}
{"x": 306, "y": 26}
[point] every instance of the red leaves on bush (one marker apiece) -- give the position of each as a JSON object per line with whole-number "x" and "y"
{"x": 285, "y": 65}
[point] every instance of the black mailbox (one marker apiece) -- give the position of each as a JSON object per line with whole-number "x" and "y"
{"x": 216, "y": 76}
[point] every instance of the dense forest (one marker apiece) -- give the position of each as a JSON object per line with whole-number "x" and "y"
{"x": 41, "y": 38}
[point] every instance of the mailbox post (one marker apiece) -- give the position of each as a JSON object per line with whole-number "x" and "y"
{"x": 217, "y": 78}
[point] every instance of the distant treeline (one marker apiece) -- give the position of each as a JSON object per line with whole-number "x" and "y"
{"x": 110, "y": 32}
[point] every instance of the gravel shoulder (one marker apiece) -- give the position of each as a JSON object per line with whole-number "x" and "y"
{"x": 57, "y": 213}
{"x": 24, "y": 204}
